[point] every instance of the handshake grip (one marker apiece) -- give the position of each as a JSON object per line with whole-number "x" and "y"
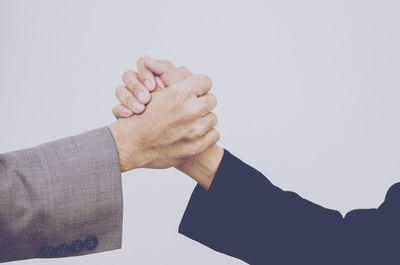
{"x": 177, "y": 125}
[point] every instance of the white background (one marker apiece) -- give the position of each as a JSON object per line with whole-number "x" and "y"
{"x": 308, "y": 94}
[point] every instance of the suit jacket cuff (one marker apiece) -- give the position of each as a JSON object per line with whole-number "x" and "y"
{"x": 245, "y": 216}
{"x": 68, "y": 198}
{"x": 203, "y": 216}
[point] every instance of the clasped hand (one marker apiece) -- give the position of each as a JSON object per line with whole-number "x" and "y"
{"x": 165, "y": 119}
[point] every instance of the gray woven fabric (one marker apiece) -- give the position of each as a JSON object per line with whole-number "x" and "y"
{"x": 60, "y": 192}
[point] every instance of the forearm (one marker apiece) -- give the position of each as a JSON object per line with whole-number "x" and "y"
{"x": 244, "y": 215}
{"x": 202, "y": 168}
{"x": 58, "y": 193}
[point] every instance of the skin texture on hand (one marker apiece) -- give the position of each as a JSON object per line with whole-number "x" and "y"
{"x": 176, "y": 126}
{"x": 201, "y": 167}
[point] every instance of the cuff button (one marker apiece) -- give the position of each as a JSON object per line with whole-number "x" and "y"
{"x": 47, "y": 252}
{"x": 76, "y": 246}
{"x": 91, "y": 242}
{"x": 62, "y": 250}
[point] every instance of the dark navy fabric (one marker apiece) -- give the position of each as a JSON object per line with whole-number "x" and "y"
{"x": 245, "y": 216}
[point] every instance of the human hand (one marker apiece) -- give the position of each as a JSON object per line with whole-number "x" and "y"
{"x": 177, "y": 125}
{"x": 201, "y": 167}
{"x": 134, "y": 94}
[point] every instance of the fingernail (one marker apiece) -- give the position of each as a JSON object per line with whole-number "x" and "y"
{"x": 127, "y": 111}
{"x": 149, "y": 84}
{"x": 137, "y": 107}
{"x": 143, "y": 97}
{"x": 160, "y": 83}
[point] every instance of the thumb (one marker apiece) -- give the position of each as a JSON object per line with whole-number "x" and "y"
{"x": 158, "y": 67}
{"x": 166, "y": 73}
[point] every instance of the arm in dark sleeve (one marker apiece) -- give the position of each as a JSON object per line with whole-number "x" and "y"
{"x": 245, "y": 216}
{"x": 62, "y": 198}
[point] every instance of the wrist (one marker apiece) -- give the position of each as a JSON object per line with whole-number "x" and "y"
{"x": 203, "y": 167}
{"x": 126, "y": 150}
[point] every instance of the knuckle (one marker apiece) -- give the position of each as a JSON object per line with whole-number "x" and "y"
{"x": 197, "y": 146}
{"x": 217, "y": 135}
{"x": 193, "y": 147}
{"x": 115, "y": 111}
{"x": 166, "y": 62}
{"x": 129, "y": 100}
{"x": 119, "y": 92}
{"x": 178, "y": 96}
{"x": 135, "y": 87}
{"x": 139, "y": 61}
{"x": 214, "y": 118}
{"x": 204, "y": 79}
{"x": 186, "y": 151}
{"x": 184, "y": 71}
{"x": 196, "y": 131}
{"x": 213, "y": 100}
{"x": 124, "y": 97}
{"x": 170, "y": 71}
{"x": 126, "y": 76}
{"x": 177, "y": 74}
{"x": 191, "y": 111}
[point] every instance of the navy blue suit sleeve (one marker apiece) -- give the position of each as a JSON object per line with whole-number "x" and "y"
{"x": 245, "y": 216}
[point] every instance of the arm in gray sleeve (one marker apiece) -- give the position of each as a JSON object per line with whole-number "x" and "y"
{"x": 62, "y": 198}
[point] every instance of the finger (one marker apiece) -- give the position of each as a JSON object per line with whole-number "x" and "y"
{"x": 126, "y": 98}
{"x": 120, "y": 111}
{"x": 132, "y": 82}
{"x": 145, "y": 76}
{"x": 166, "y": 70}
{"x": 206, "y": 103}
{"x": 159, "y": 82}
{"x": 198, "y": 84}
{"x": 176, "y": 75}
{"x": 158, "y": 67}
{"x": 204, "y": 84}
{"x": 209, "y": 139}
{"x": 195, "y": 85}
{"x": 209, "y": 122}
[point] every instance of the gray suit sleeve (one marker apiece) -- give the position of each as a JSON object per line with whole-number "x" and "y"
{"x": 62, "y": 198}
